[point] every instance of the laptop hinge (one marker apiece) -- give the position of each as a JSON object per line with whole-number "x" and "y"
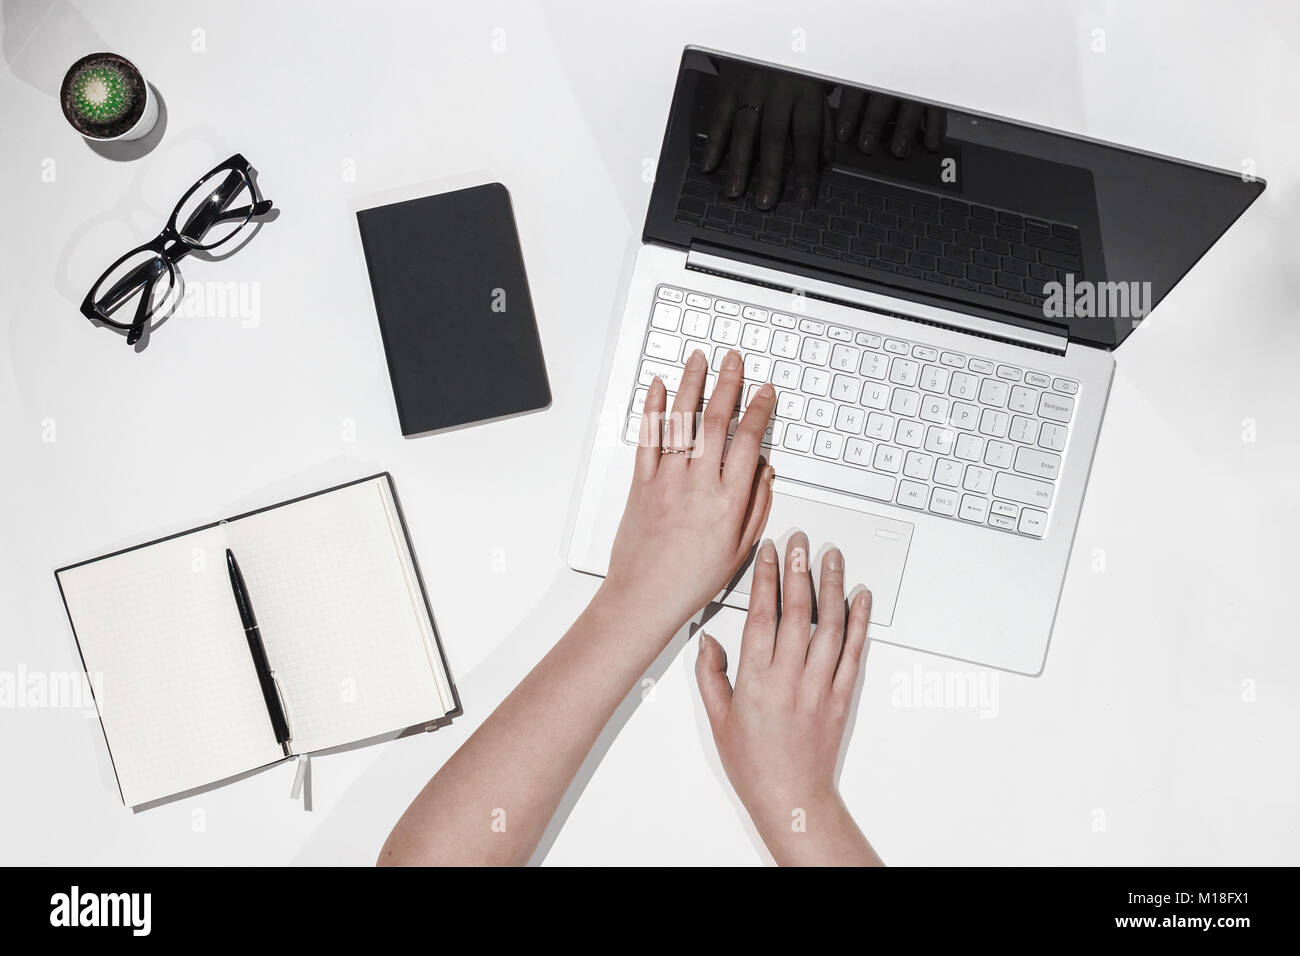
{"x": 701, "y": 261}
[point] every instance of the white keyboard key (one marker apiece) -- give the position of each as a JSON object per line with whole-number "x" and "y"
{"x": 662, "y": 346}
{"x": 831, "y": 474}
{"x": 888, "y": 458}
{"x": 697, "y": 301}
{"x": 772, "y": 435}
{"x": 1027, "y": 491}
{"x": 669, "y": 294}
{"x": 671, "y": 376}
{"x": 1005, "y": 508}
{"x": 1023, "y": 400}
{"x": 1066, "y": 386}
{"x": 973, "y": 508}
{"x": 1056, "y": 407}
{"x": 1010, "y": 373}
{"x": 995, "y": 423}
{"x": 1033, "y": 523}
{"x": 978, "y": 480}
{"x": 953, "y": 360}
{"x": 904, "y": 402}
{"x": 798, "y": 437}
{"x": 811, "y": 327}
{"x": 783, "y": 321}
{"x": 725, "y": 330}
{"x": 875, "y": 396}
{"x": 964, "y": 416}
{"x": 816, "y": 381}
{"x": 785, "y": 375}
{"x": 844, "y": 358}
{"x": 897, "y": 347}
{"x": 918, "y": 465}
{"x": 1002, "y": 521}
{"x": 828, "y": 445}
{"x": 789, "y": 405}
{"x": 964, "y": 386}
{"x": 846, "y": 388}
{"x": 948, "y": 472}
{"x": 909, "y": 433}
{"x": 939, "y": 440}
{"x": 999, "y": 454}
{"x": 943, "y": 502}
{"x": 633, "y": 431}
{"x": 757, "y": 367}
{"x": 719, "y": 356}
{"x": 924, "y": 353}
{"x": 755, "y": 337}
{"x": 934, "y": 379}
{"x": 904, "y": 372}
{"x": 880, "y": 427}
{"x": 934, "y": 408}
{"x": 850, "y": 420}
{"x": 970, "y": 447}
{"x": 869, "y": 340}
{"x": 1037, "y": 379}
{"x": 710, "y": 383}
{"x": 754, "y": 314}
{"x": 875, "y": 365}
{"x": 1024, "y": 430}
{"x": 726, "y": 308}
{"x": 912, "y": 494}
{"x": 638, "y": 400}
{"x": 858, "y": 452}
{"x": 839, "y": 334}
{"x": 820, "y": 413}
{"x": 785, "y": 345}
{"x": 815, "y": 351}
{"x": 695, "y": 324}
{"x": 666, "y": 317}
{"x": 993, "y": 392}
{"x": 1052, "y": 436}
{"x": 980, "y": 365}
{"x": 1038, "y": 464}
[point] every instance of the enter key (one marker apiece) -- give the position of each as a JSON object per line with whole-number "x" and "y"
{"x": 1037, "y": 464}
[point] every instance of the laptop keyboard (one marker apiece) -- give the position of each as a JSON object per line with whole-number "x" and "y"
{"x": 891, "y": 420}
{"x": 937, "y": 238}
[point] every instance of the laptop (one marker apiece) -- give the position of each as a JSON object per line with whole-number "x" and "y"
{"x": 938, "y": 314}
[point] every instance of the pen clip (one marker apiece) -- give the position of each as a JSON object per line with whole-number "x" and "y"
{"x": 284, "y": 709}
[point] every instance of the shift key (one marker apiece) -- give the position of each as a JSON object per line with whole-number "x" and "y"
{"x": 1028, "y": 491}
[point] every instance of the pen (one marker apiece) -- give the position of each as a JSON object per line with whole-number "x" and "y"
{"x": 265, "y": 676}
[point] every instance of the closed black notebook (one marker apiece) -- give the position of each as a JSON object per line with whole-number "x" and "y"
{"x": 454, "y": 310}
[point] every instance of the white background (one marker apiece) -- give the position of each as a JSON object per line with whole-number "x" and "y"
{"x": 1165, "y": 728}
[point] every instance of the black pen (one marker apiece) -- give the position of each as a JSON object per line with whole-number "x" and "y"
{"x": 265, "y": 676}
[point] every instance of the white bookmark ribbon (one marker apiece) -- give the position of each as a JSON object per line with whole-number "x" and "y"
{"x": 302, "y": 782}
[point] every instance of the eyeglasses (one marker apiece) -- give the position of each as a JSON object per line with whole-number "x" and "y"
{"x": 210, "y": 214}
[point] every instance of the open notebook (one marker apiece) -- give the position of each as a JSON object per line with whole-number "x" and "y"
{"x": 343, "y": 616}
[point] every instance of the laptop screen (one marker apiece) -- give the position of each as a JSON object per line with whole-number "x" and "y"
{"x": 929, "y": 201}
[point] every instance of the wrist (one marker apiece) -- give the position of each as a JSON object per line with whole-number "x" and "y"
{"x": 628, "y": 608}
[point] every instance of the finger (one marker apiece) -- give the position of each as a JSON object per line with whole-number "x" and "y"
{"x": 757, "y": 510}
{"x": 805, "y": 130}
{"x": 796, "y": 606}
{"x": 759, "y": 636}
{"x": 647, "y": 446}
{"x": 850, "y": 112}
{"x": 711, "y": 675}
{"x": 744, "y": 133}
{"x": 771, "y": 151}
{"x": 742, "y": 456}
{"x": 681, "y": 423}
{"x": 880, "y": 106}
{"x": 935, "y": 124}
{"x": 828, "y": 134}
{"x": 855, "y": 640}
{"x": 824, "y": 649}
{"x": 712, "y": 438}
{"x": 905, "y": 130}
{"x": 715, "y": 144}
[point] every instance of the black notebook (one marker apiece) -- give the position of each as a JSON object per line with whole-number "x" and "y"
{"x": 343, "y": 616}
{"x": 454, "y": 310}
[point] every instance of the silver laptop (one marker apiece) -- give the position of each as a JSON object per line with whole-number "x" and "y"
{"x": 936, "y": 295}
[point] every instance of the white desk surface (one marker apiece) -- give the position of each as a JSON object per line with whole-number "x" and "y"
{"x": 1166, "y": 728}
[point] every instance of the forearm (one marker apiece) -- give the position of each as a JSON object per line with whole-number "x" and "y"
{"x": 491, "y": 802}
{"x": 813, "y": 831}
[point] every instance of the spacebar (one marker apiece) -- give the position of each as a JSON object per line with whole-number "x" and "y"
{"x": 826, "y": 474}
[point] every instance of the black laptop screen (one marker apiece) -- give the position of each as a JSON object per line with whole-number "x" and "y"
{"x": 931, "y": 202}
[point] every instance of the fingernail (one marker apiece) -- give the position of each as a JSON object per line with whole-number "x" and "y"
{"x": 764, "y": 199}
{"x": 863, "y": 599}
{"x": 767, "y": 550}
{"x": 696, "y": 359}
{"x": 735, "y": 187}
{"x": 902, "y": 147}
{"x": 804, "y": 196}
{"x": 843, "y": 134}
{"x": 769, "y": 475}
{"x": 868, "y": 142}
{"x": 732, "y": 361}
{"x": 835, "y": 560}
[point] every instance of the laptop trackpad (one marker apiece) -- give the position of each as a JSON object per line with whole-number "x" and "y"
{"x": 874, "y": 548}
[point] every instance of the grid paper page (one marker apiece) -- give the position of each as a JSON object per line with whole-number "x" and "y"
{"x": 341, "y": 626}
{"x": 181, "y": 705}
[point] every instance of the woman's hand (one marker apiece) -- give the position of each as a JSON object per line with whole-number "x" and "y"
{"x": 779, "y": 732}
{"x": 690, "y": 521}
